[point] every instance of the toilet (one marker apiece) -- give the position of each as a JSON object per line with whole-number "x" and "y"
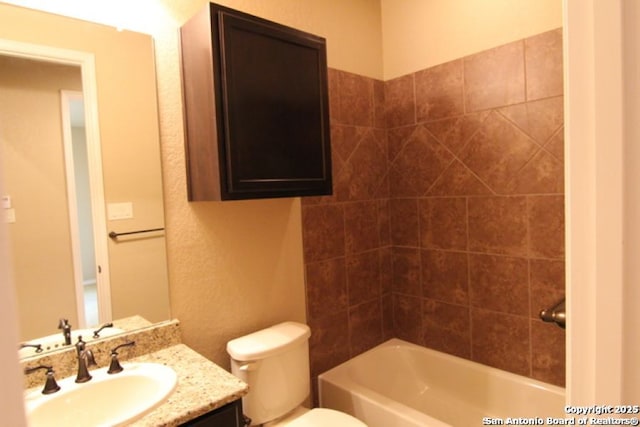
{"x": 274, "y": 362}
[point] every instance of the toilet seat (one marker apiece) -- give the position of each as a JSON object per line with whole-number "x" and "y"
{"x": 320, "y": 417}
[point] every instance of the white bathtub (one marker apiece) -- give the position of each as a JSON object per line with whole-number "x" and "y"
{"x": 401, "y": 384}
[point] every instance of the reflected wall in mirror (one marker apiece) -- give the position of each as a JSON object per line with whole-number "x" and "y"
{"x": 126, "y": 115}
{"x": 40, "y": 177}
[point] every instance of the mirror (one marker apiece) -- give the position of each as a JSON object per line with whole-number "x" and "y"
{"x": 114, "y": 70}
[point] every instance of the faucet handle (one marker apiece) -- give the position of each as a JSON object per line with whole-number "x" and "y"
{"x": 50, "y": 385}
{"x": 63, "y": 324}
{"x": 114, "y": 366}
{"x": 38, "y": 347}
{"x": 96, "y": 333}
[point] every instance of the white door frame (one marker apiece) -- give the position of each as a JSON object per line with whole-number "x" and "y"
{"x": 66, "y": 97}
{"x": 601, "y": 157}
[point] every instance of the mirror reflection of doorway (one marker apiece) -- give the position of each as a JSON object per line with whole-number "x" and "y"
{"x": 80, "y": 214}
{"x": 53, "y": 181}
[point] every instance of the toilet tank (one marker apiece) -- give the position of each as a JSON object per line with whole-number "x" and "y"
{"x": 274, "y": 362}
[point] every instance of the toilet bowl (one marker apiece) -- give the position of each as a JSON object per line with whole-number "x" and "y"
{"x": 274, "y": 362}
{"x": 318, "y": 417}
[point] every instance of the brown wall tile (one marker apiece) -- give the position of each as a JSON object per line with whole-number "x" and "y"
{"x": 334, "y": 94}
{"x": 356, "y": 99}
{"x": 326, "y": 287}
{"x": 363, "y": 277}
{"x": 364, "y": 171}
{"x": 499, "y": 283}
{"x": 495, "y": 78}
{"x": 400, "y": 101}
{"x": 407, "y": 318}
{"x": 345, "y": 140}
{"x": 447, "y": 328}
{"x": 459, "y": 180}
{"x": 538, "y": 119}
{"x": 501, "y": 340}
{"x": 406, "y": 271}
{"x": 386, "y": 269}
{"x": 365, "y": 326}
{"x": 445, "y": 276}
{"x": 388, "y": 329}
{"x": 329, "y": 342}
{"x": 548, "y": 353}
{"x": 546, "y": 226}
{"x": 419, "y": 163}
{"x": 497, "y": 152}
{"x": 439, "y": 91}
{"x": 443, "y": 223}
{"x": 555, "y": 145}
{"x": 396, "y": 140}
{"x": 542, "y": 174}
{"x": 455, "y": 132}
{"x": 547, "y": 281}
{"x": 384, "y": 222}
{"x": 405, "y": 227}
{"x": 379, "y": 105}
{"x": 361, "y": 226}
{"x": 323, "y": 232}
{"x": 498, "y": 225}
{"x": 543, "y": 57}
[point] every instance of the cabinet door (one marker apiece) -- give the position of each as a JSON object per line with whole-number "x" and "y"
{"x": 228, "y": 416}
{"x": 267, "y": 134}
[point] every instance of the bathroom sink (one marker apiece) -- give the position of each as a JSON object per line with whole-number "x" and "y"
{"x": 106, "y": 400}
{"x": 56, "y": 341}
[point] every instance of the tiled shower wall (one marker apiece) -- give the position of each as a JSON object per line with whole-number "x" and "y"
{"x": 347, "y": 242}
{"x": 446, "y": 227}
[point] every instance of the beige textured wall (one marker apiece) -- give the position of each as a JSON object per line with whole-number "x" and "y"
{"x": 419, "y": 34}
{"x": 34, "y": 172}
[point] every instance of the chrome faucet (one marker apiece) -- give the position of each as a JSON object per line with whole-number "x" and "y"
{"x": 66, "y": 330}
{"x": 85, "y": 359}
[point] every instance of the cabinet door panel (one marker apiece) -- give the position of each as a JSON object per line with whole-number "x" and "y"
{"x": 228, "y": 416}
{"x": 271, "y": 121}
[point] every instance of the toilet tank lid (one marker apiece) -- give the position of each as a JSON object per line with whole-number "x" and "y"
{"x": 268, "y": 342}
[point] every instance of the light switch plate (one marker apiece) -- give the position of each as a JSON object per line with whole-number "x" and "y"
{"x": 6, "y": 202}
{"x": 116, "y": 211}
{"x": 9, "y": 216}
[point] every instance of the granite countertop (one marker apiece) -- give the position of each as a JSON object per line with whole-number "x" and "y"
{"x": 202, "y": 387}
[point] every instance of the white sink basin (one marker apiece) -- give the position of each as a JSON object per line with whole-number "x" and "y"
{"x": 106, "y": 400}
{"x": 56, "y": 341}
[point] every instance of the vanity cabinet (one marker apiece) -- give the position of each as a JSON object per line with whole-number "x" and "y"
{"x": 256, "y": 108}
{"x": 229, "y": 415}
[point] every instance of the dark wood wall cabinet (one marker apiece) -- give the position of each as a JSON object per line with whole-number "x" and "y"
{"x": 257, "y": 113}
